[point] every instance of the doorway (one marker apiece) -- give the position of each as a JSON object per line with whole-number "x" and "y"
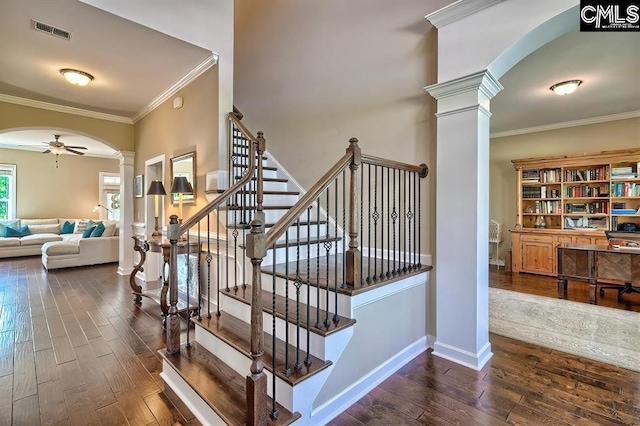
{"x": 154, "y": 170}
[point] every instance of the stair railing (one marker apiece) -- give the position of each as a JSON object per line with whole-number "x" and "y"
{"x": 323, "y": 211}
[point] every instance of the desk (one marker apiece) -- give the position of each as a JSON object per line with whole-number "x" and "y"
{"x": 593, "y": 263}
{"x": 158, "y": 290}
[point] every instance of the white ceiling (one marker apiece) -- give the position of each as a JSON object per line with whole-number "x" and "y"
{"x": 133, "y": 65}
{"x": 607, "y": 63}
{"x": 37, "y": 140}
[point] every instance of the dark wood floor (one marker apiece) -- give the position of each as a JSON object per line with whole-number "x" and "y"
{"x": 75, "y": 350}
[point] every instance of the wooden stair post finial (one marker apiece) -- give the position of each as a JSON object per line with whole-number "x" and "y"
{"x": 256, "y": 383}
{"x": 353, "y": 256}
{"x": 173, "y": 320}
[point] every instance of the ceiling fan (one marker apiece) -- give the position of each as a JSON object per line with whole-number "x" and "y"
{"x": 56, "y": 147}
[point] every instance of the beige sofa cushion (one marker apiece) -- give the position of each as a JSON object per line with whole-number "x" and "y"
{"x": 30, "y": 222}
{"x": 57, "y": 248}
{"x": 9, "y": 242}
{"x": 38, "y": 239}
{"x": 44, "y": 229}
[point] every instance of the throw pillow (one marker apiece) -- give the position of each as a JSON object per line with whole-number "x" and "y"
{"x": 81, "y": 226}
{"x": 5, "y": 224}
{"x": 98, "y": 230}
{"x": 67, "y": 227}
{"x": 109, "y": 230}
{"x": 22, "y": 232}
{"x": 87, "y": 232}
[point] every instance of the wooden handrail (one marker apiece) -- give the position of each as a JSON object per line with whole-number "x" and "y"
{"x": 242, "y": 127}
{"x": 422, "y": 169}
{"x": 187, "y": 224}
{"x": 307, "y": 199}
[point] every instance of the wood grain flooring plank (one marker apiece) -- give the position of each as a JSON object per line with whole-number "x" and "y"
{"x": 123, "y": 353}
{"x": 134, "y": 408}
{"x": 89, "y": 328}
{"x": 112, "y": 415}
{"x": 6, "y": 352}
{"x": 46, "y": 368}
{"x": 142, "y": 380}
{"x": 62, "y": 349}
{"x": 346, "y": 419}
{"x": 108, "y": 332}
{"x": 62, "y": 304}
{"x": 24, "y": 371}
{"x": 115, "y": 374}
{"x": 163, "y": 410}
{"x": 70, "y": 374}
{"x": 6, "y": 399}
{"x": 53, "y": 409}
{"x": 26, "y": 411}
{"x": 74, "y": 331}
{"x": 81, "y": 412}
{"x": 41, "y": 337}
{"x": 99, "y": 346}
{"x": 97, "y": 385}
{"x": 22, "y": 328}
{"x": 380, "y": 415}
{"x": 7, "y": 317}
{"x": 56, "y": 327}
{"x": 98, "y": 317}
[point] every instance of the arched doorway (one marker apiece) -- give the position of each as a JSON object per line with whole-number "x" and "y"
{"x": 477, "y": 43}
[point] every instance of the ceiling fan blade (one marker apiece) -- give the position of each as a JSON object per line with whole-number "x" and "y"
{"x": 46, "y": 152}
{"x": 75, "y": 147}
{"x": 74, "y": 151}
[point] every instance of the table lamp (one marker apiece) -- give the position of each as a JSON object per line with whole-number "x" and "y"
{"x": 181, "y": 186}
{"x": 156, "y": 189}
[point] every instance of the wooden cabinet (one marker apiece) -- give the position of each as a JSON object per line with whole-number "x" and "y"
{"x": 571, "y": 199}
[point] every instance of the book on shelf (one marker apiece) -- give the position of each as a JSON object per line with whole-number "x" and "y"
{"x": 623, "y": 211}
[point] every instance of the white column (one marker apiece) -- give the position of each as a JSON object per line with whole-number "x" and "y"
{"x": 126, "y": 212}
{"x": 462, "y": 218}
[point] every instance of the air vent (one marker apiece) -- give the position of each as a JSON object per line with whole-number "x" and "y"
{"x": 50, "y": 29}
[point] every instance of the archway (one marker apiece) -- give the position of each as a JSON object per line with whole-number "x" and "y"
{"x": 477, "y": 43}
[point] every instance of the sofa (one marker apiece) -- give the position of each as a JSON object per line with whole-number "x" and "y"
{"x": 61, "y": 242}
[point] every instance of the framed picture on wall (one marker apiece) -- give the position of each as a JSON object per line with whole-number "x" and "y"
{"x": 137, "y": 186}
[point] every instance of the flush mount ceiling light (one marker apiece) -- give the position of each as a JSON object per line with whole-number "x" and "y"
{"x": 565, "y": 87}
{"x": 76, "y": 77}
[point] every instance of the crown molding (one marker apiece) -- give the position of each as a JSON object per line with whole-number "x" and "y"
{"x": 458, "y": 10}
{"x": 567, "y": 124}
{"x": 184, "y": 81}
{"x": 64, "y": 109}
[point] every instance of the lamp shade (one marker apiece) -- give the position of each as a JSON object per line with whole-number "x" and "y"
{"x": 181, "y": 186}
{"x": 156, "y": 188}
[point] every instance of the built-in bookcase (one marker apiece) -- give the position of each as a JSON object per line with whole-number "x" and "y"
{"x": 598, "y": 191}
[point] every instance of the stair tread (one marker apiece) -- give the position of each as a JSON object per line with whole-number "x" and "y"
{"x": 246, "y": 155}
{"x": 267, "y": 179}
{"x": 244, "y": 166}
{"x": 280, "y": 271}
{"x": 237, "y": 207}
{"x": 237, "y": 333}
{"x": 243, "y": 294}
{"x": 221, "y": 387}
{"x": 301, "y": 242}
{"x": 272, "y": 192}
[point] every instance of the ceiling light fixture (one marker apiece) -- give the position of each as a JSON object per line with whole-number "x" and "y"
{"x": 76, "y": 77}
{"x": 565, "y": 87}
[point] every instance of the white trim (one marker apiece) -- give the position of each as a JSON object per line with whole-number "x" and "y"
{"x": 124, "y": 271}
{"x": 431, "y": 340}
{"x": 383, "y": 292}
{"x": 567, "y": 124}
{"x": 460, "y": 356}
{"x": 458, "y": 10}
{"x": 339, "y": 403}
{"x": 64, "y": 109}
{"x": 482, "y": 81}
{"x": 179, "y": 85}
{"x": 478, "y": 108}
{"x": 13, "y": 195}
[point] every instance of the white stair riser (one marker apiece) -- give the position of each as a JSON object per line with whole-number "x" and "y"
{"x": 275, "y": 186}
{"x": 269, "y": 199}
{"x": 280, "y": 255}
{"x": 344, "y": 301}
{"x": 243, "y": 311}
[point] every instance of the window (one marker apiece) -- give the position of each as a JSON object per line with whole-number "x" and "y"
{"x": 110, "y": 196}
{"x": 7, "y": 191}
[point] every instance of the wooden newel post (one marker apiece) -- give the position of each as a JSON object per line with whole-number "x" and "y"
{"x": 353, "y": 256}
{"x": 173, "y": 320}
{"x": 257, "y": 407}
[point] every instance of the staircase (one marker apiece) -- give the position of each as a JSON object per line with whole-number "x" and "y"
{"x": 293, "y": 324}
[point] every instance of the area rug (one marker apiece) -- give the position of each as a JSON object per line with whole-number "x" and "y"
{"x": 595, "y": 332}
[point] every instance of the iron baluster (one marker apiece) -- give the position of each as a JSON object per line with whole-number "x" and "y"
{"x": 235, "y": 248}
{"x": 419, "y": 221}
{"x": 361, "y": 222}
{"x": 389, "y": 227}
{"x": 307, "y": 360}
{"x": 404, "y": 228}
{"x": 188, "y": 283}
{"x": 335, "y": 254}
{"x": 368, "y": 280}
{"x": 218, "y": 262}
{"x": 199, "y": 271}
{"x": 318, "y": 304}
{"x": 244, "y": 258}
{"x": 394, "y": 216}
{"x": 375, "y": 223}
{"x": 382, "y": 223}
{"x": 287, "y": 370}
{"x": 344, "y": 229}
{"x": 409, "y": 217}
{"x": 274, "y": 411}
{"x": 226, "y": 241}
{"x": 327, "y": 247}
{"x": 298, "y": 283}
{"x": 208, "y": 258}
{"x": 416, "y": 226}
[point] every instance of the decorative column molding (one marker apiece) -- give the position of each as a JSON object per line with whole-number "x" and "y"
{"x": 462, "y": 214}
{"x": 125, "y": 245}
{"x": 458, "y": 10}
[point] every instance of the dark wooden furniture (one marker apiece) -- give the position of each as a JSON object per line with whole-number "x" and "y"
{"x": 596, "y": 263}
{"x": 158, "y": 290}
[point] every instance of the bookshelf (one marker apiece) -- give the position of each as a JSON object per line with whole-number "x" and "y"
{"x": 571, "y": 198}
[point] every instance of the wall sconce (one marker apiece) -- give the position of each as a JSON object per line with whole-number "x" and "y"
{"x": 156, "y": 189}
{"x": 181, "y": 186}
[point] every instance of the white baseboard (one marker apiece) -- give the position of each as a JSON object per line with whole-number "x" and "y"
{"x": 460, "y": 356}
{"x": 431, "y": 340}
{"x": 339, "y": 403}
{"x": 124, "y": 271}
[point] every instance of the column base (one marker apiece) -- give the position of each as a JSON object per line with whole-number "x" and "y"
{"x": 460, "y": 356}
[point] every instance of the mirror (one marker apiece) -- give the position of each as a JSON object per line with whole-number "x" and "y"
{"x": 184, "y": 165}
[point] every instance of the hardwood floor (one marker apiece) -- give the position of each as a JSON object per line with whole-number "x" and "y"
{"x": 75, "y": 350}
